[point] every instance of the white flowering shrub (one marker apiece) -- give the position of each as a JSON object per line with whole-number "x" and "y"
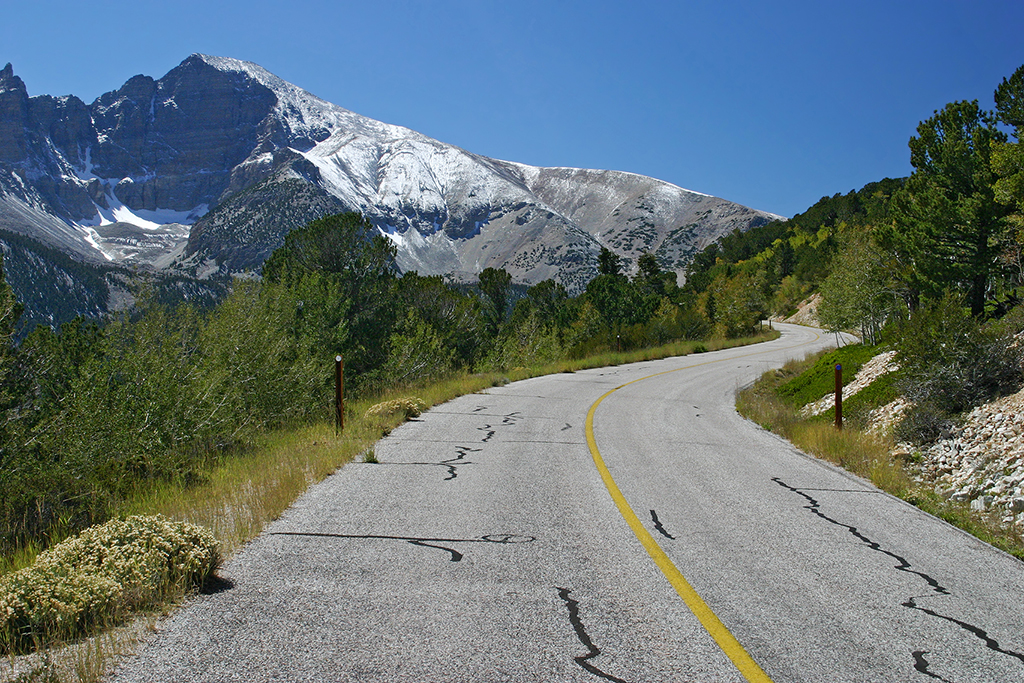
{"x": 99, "y": 575}
{"x": 410, "y": 406}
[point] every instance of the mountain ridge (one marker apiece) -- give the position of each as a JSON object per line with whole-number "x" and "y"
{"x": 182, "y": 159}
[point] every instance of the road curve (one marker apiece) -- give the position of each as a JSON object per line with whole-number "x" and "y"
{"x": 487, "y": 546}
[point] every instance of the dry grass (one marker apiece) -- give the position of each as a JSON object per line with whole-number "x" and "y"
{"x": 87, "y": 660}
{"x": 867, "y": 455}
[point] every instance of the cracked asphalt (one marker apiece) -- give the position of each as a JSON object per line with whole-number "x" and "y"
{"x": 485, "y": 547}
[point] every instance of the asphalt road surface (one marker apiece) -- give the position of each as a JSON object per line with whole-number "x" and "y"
{"x": 506, "y": 536}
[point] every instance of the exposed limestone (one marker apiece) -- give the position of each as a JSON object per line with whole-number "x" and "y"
{"x": 807, "y": 312}
{"x": 982, "y": 461}
{"x": 883, "y": 419}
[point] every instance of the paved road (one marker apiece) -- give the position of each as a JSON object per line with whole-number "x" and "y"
{"x": 487, "y": 547}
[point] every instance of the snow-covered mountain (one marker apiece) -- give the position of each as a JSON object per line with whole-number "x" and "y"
{"x": 210, "y": 166}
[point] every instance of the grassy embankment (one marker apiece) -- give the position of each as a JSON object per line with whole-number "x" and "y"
{"x": 774, "y": 402}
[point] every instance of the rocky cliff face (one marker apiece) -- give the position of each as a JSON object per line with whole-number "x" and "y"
{"x": 211, "y": 165}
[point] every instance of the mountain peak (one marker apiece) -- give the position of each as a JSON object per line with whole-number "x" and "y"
{"x": 8, "y": 81}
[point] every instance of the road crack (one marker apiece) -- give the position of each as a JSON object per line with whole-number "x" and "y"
{"x": 490, "y": 430}
{"x": 659, "y": 527}
{"x": 456, "y": 556}
{"x": 903, "y": 565}
{"x": 584, "y": 638}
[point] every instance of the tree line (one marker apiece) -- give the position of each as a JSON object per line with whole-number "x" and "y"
{"x": 96, "y": 410}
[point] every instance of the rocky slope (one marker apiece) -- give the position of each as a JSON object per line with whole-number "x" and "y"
{"x": 208, "y": 167}
{"x": 980, "y": 462}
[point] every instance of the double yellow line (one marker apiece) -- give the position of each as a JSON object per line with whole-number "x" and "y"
{"x": 708, "y": 619}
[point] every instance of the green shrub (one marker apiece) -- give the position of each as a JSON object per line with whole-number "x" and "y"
{"x": 856, "y": 408}
{"x": 951, "y": 362}
{"x": 101, "y": 574}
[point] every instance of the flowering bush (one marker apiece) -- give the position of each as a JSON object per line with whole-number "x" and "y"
{"x": 411, "y": 407}
{"x": 100, "y": 574}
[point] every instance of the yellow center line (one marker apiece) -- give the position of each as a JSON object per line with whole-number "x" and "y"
{"x": 708, "y": 619}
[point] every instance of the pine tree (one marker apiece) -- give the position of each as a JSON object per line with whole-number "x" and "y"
{"x": 947, "y": 225}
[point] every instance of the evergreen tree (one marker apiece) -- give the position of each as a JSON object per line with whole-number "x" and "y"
{"x": 10, "y": 313}
{"x": 344, "y": 275}
{"x": 608, "y": 262}
{"x": 1008, "y": 161}
{"x": 946, "y": 222}
{"x": 496, "y": 287}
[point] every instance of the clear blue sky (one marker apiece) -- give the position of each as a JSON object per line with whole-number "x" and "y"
{"x": 770, "y": 104}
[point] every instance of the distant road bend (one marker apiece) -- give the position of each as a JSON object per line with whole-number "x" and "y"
{"x": 618, "y": 524}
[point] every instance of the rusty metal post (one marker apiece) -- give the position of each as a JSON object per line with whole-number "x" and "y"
{"x": 339, "y": 394}
{"x": 839, "y": 396}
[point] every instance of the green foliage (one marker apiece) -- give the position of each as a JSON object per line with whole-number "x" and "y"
{"x": 147, "y": 399}
{"x": 418, "y": 353}
{"x": 342, "y": 272}
{"x": 796, "y": 254}
{"x": 54, "y": 286}
{"x": 455, "y": 317}
{"x": 738, "y": 303}
{"x": 947, "y": 225}
{"x": 856, "y": 408}
{"x": 619, "y": 301}
{"x": 951, "y": 362}
{"x": 10, "y": 313}
{"x": 608, "y": 263}
{"x": 859, "y": 293}
{"x": 1009, "y": 98}
{"x": 819, "y": 379}
{"x": 1008, "y": 163}
{"x": 550, "y": 302}
{"x": 530, "y": 343}
{"x": 496, "y": 286}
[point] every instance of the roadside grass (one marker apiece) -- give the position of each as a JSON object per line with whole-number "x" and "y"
{"x": 238, "y": 494}
{"x": 855, "y": 450}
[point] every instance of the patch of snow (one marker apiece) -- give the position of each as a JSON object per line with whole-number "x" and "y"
{"x": 86, "y": 174}
{"x": 93, "y": 239}
{"x": 142, "y": 218}
{"x": 530, "y": 173}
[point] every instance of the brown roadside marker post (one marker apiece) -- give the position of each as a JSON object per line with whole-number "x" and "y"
{"x": 839, "y": 396}
{"x": 339, "y": 394}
